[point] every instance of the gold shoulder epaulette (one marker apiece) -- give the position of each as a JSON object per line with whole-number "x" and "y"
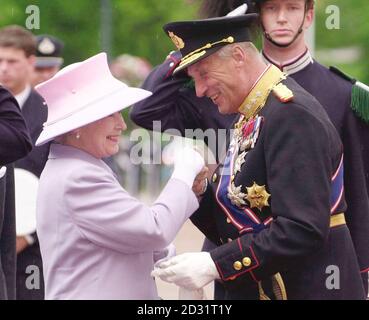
{"x": 282, "y": 92}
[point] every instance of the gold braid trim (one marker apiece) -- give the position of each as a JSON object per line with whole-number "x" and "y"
{"x": 196, "y": 53}
{"x": 259, "y": 94}
{"x": 278, "y": 286}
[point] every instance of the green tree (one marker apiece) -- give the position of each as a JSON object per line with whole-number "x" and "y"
{"x": 353, "y": 31}
{"x": 137, "y": 25}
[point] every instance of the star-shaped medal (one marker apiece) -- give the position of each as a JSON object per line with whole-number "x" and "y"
{"x": 257, "y": 196}
{"x": 235, "y": 195}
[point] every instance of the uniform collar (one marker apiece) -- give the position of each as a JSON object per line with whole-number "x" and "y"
{"x": 260, "y": 91}
{"x": 292, "y": 66}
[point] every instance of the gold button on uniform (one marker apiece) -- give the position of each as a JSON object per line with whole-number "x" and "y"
{"x": 215, "y": 177}
{"x": 237, "y": 265}
{"x": 246, "y": 261}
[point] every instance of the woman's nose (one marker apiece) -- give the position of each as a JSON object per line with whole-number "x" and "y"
{"x": 121, "y": 125}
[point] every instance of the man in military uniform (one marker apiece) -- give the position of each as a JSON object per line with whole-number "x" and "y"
{"x": 275, "y": 207}
{"x": 48, "y": 58}
{"x": 331, "y": 88}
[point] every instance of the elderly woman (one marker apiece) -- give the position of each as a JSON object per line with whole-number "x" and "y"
{"x": 96, "y": 240}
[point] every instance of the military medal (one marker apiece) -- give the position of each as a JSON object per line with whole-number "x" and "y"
{"x": 257, "y": 196}
{"x": 235, "y": 195}
{"x": 239, "y": 162}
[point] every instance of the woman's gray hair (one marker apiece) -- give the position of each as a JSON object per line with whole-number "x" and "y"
{"x": 248, "y": 47}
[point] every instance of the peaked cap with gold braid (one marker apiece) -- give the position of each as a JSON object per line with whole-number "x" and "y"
{"x": 198, "y": 39}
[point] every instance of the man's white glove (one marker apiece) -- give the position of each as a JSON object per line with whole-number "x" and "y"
{"x": 189, "y": 270}
{"x": 187, "y": 164}
{"x": 164, "y": 254}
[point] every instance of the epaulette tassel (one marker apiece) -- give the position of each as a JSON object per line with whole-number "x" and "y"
{"x": 360, "y": 100}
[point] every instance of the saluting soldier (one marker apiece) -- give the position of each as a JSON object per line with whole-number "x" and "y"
{"x": 275, "y": 206}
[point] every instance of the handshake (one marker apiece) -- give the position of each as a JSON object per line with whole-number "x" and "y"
{"x": 189, "y": 167}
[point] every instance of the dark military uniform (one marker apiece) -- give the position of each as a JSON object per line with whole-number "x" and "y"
{"x": 334, "y": 94}
{"x": 35, "y": 113}
{"x": 275, "y": 206}
{"x": 178, "y": 107}
{"x": 14, "y": 144}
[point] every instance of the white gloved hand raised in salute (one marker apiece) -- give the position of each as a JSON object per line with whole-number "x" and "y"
{"x": 187, "y": 165}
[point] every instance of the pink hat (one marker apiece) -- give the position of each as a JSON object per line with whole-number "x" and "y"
{"x": 82, "y": 93}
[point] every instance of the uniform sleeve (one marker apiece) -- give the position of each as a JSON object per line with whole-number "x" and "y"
{"x": 109, "y": 217}
{"x": 298, "y": 164}
{"x": 172, "y": 101}
{"x": 7, "y": 233}
{"x": 203, "y": 218}
{"x": 356, "y": 188}
{"x": 15, "y": 142}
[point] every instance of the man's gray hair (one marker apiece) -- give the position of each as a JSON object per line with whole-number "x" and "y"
{"x": 248, "y": 47}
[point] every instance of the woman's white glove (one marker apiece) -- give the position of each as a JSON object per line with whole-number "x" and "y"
{"x": 187, "y": 164}
{"x": 189, "y": 270}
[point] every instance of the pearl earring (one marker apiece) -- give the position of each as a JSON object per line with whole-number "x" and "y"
{"x": 78, "y": 136}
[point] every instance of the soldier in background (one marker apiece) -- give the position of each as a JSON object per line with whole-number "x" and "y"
{"x": 49, "y": 58}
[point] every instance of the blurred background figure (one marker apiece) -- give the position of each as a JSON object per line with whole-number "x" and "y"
{"x": 17, "y": 60}
{"x": 48, "y": 58}
{"x": 130, "y": 69}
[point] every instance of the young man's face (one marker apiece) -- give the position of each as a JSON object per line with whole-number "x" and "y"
{"x": 282, "y": 19}
{"x": 15, "y": 69}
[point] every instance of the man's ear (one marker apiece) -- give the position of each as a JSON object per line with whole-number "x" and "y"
{"x": 239, "y": 56}
{"x": 309, "y": 17}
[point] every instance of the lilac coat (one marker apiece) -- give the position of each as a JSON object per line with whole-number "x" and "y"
{"x": 96, "y": 240}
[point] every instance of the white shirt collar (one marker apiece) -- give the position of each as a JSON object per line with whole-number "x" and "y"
{"x": 292, "y": 66}
{"x": 23, "y": 96}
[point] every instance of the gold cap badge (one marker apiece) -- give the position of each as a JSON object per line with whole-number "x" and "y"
{"x": 257, "y": 196}
{"x": 178, "y": 42}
